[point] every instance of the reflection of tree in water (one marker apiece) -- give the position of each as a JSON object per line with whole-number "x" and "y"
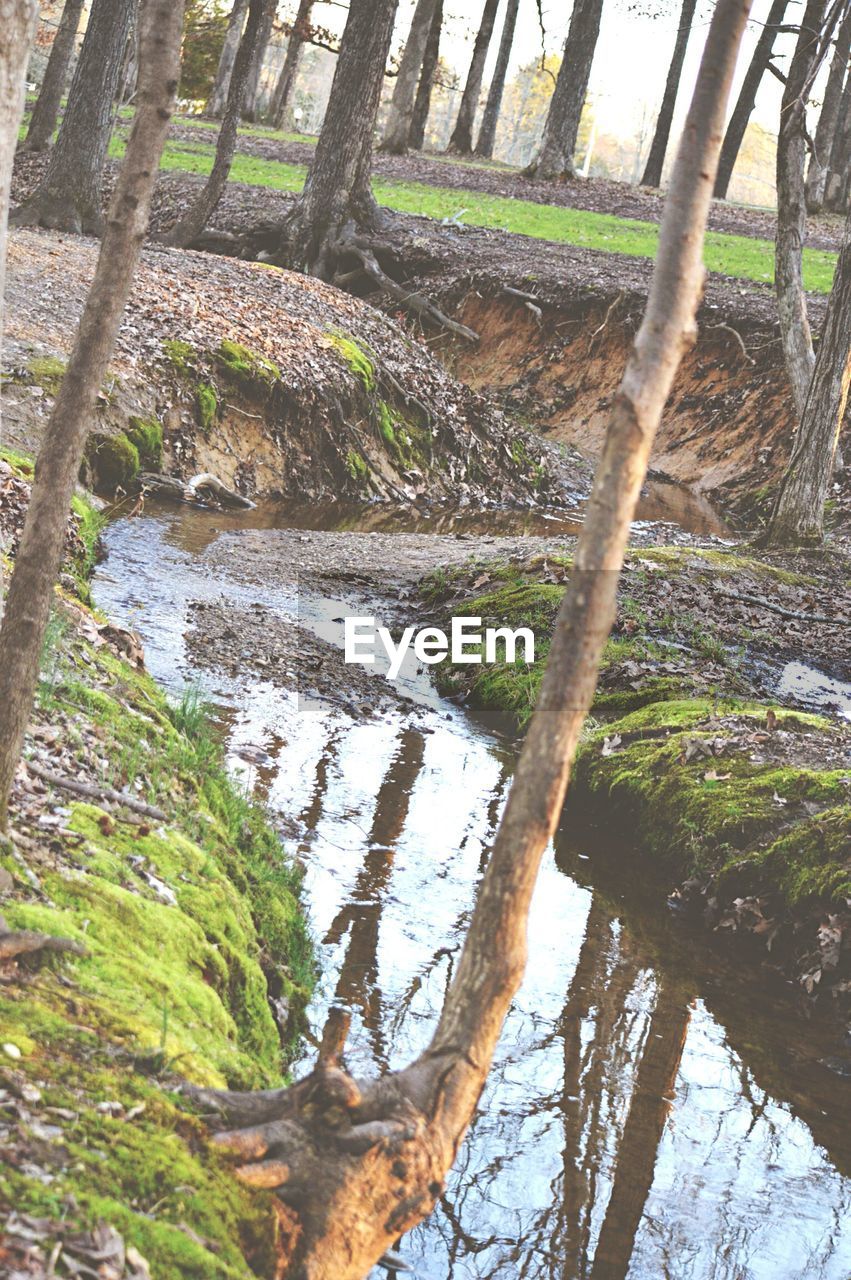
{"x": 360, "y": 916}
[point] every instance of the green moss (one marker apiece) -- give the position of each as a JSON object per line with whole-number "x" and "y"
{"x": 48, "y": 372}
{"x": 21, "y": 465}
{"x": 246, "y": 366}
{"x": 356, "y": 465}
{"x": 113, "y": 459}
{"x": 181, "y": 355}
{"x": 207, "y": 405}
{"x": 147, "y": 435}
{"x": 355, "y": 358}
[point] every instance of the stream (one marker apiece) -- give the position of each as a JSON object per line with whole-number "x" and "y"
{"x": 652, "y": 1112}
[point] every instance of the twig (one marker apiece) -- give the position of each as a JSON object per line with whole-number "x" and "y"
{"x": 96, "y": 793}
{"x": 785, "y": 613}
{"x": 611, "y": 308}
{"x": 729, "y": 328}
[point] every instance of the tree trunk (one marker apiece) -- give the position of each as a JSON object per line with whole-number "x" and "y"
{"x": 17, "y": 21}
{"x": 487, "y": 133}
{"x": 46, "y": 110}
{"x": 398, "y": 125}
{"x": 747, "y": 96}
{"x": 798, "y": 516}
{"x": 130, "y": 65}
{"x": 227, "y": 57}
{"x": 286, "y": 80}
{"x": 68, "y": 197}
{"x": 461, "y": 141}
{"x": 195, "y": 219}
{"x": 792, "y": 206}
{"x": 828, "y": 119}
{"x": 419, "y": 118}
{"x": 653, "y": 169}
{"x": 40, "y": 551}
{"x": 356, "y": 1163}
{"x": 255, "y": 70}
{"x": 836, "y": 187}
{"x": 555, "y": 155}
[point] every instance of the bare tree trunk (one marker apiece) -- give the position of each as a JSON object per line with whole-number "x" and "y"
{"x": 46, "y": 110}
{"x": 68, "y": 197}
{"x": 224, "y": 71}
{"x": 828, "y": 119}
{"x": 461, "y": 141}
{"x": 554, "y": 160}
{"x": 792, "y": 206}
{"x": 17, "y": 21}
{"x": 255, "y": 70}
{"x": 836, "y": 187}
{"x": 747, "y": 96}
{"x": 398, "y": 125}
{"x": 195, "y": 218}
{"x": 655, "y": 161}
{"x": 487, "y": 133}
{"x": 356, "y": 1163}
{"x": 798, "y": 516}
{"x": 286, "y": 80}
{"x": 40, "y": 551}
{"x": 419, "y": 118}
{"x": 130, "y": 64}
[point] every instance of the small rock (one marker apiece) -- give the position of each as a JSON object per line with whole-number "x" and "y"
{"x": 6, "y": 881}
{"x": 12, "y": 1050}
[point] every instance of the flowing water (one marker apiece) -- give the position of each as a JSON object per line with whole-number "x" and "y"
{"x": 651, "y": 1112}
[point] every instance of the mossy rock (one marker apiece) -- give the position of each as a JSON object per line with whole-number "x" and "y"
{"x": 47, "y": 371}
{"x": 147, "y": 435}
{"x": 113, "y": 460}
{"x": 245, "y": 366}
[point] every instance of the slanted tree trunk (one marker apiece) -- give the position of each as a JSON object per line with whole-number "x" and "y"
{"x": 286, "y": 80}
{"x": 255, "y": 70}
{"x": 490, "y": 119}
{"x": 355, "y": 1163}
{"x": 17, "y": 21}
{"x": 397, "y": 128}
{"x": 836, "y": 187}
{"x": 68, "y": 197}
{"x": 422, "y": 103}
{"x": 227, "y": 57}
{"x": 39, "y": 554}
{"x": 195, "y": 218}
{"x": 461, "y": 141}
{"x": 792, "y": 205}
{"x": 798, "y": 516}
{"x": 743, "y": 109}
{"x": 46, "y": 110}
{"x": 554, "y": 160}
{"x": 828, "y": 120}
{"x": 655, "y": 161}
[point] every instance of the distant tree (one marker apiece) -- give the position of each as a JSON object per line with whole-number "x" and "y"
{"x": 252, "y": 80}
{"x": 422, "y": 103}
{"x": 398, "y": 125}
{"x": 68, "y": 197}
{"x": 204, "y": 33}
{"x": 46, "y": 109}
{"x": 652, "y": 176}
{"x": 39, "y": 554}
{"x": 839, "y": 169}
{"x": 487, "y": 133}
{"x": 461, "y": 141}
{"x": 759, "y": 64}
{"x": 286, "y": 80}
{"x": 829, "y": 119}
{"x": 219, "y": 95}
{"x": 555, "y": 155}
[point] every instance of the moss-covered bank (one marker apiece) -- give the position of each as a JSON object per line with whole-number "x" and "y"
{"x": 197, "y": 964}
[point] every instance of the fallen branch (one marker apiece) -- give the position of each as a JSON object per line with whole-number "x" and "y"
{"x": 96, "y": 793}
{"x": 785, "y": 613}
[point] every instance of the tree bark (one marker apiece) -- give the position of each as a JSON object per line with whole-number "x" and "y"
{"x": 397, "y": 128}
{"x": 17, "y": 21}
{"x": 836, "y": 187}
{"x": 792, "y": 206}
{"x": 252, "y": 80}
{"x": 828, "y": 120}
{"x": 227, "y": 57}
{"x": 419, "y": 118}
{"x": 195, "y": 218}
{"x": 69, "y": 195}
{"x": 554, "y": 160}
{"x": 39, "y": 554}
{"x": 747, "y": 96}
{"x": 487, "y": 133}
{"x": 356, "y": 1163}
{"x": 286, "y": 80}
{"x": 46, "y": 110}
{"x": 653, "y": 169}
{"x": 798, "y": 516}
{"x": 461, "y": 141}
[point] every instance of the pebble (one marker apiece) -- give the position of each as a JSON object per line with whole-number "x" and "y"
{"x": 12, "y": 1051}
